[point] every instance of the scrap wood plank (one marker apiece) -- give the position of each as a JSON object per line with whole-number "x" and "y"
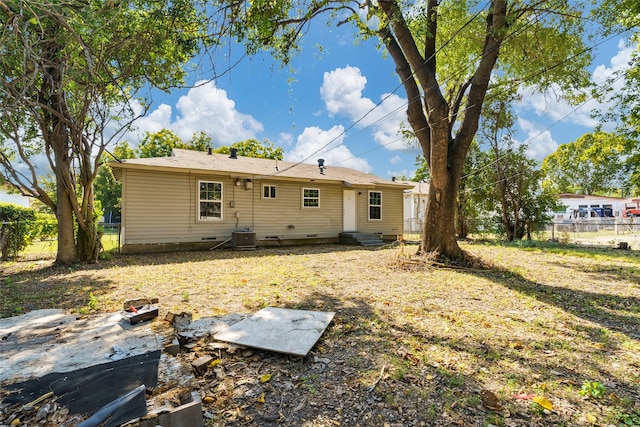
{"x": 279, "y": 329}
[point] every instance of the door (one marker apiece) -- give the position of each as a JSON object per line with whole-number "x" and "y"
{"x": 349, "y": 210}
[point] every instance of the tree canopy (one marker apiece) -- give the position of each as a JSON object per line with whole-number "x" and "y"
{"x": 70, "y": 73}
{"x": 593, "y": 164}
{"x": 450, "y": 56}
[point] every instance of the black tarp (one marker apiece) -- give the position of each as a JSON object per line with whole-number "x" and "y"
{"x": 87, "y": 390}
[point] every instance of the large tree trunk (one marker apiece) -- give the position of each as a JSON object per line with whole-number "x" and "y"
{"x": 88, "y": 243}
{"x": 439, "y": 225}
{"x": 433, "y": 119}
{"x": 56, "y": 137}
{"x": 64, "y": 213}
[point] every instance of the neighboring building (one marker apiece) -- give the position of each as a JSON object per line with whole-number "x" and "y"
{"x": 590, "y": 206}
{"x": 16, "y": 198}
{"x": 195, "y": 200}
{"x": 415, "y": 205}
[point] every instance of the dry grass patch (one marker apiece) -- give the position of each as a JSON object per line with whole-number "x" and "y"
{"x": 408, "y": 346}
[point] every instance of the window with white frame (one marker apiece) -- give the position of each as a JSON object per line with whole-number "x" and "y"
{"x": 210, "y": 200}
{"x": 375, "y": 205}
{"x": 268, "y": 191}
{"x": 311, "y": 197}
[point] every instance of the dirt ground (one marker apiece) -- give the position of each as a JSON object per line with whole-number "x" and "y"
{"x": 549, "y": 336}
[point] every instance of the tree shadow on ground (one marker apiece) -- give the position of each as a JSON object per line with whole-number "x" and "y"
{"x": 615, "y": 312}
{"x": 359, "y": 374}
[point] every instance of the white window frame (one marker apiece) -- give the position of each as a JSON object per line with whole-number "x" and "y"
{"x": 219, "y": 201}
{"x": 272, "y": 190}
{"x": 305, "y": 198}
{"x": 370, "y": 205}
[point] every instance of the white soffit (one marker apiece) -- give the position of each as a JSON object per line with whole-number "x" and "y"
{"x": 279, "y": 329}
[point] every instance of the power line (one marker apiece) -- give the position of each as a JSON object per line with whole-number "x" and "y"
{"x": 513, "y": 34}
{"x": 352, "y": 125}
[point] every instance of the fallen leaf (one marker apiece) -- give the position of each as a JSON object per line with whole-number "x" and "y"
{"x": 264, "y": 378}
{"x": 517, "y": 345}
{"x": 261, "y": 398}
{"x": 591, "y": 419}
{"x": 544, "y": 402}
{"x": 490, "y": 400}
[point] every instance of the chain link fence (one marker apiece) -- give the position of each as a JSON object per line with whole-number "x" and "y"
{"x": 612, "y": 232}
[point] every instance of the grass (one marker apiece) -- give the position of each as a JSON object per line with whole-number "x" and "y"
{"x": 545, "y": 321}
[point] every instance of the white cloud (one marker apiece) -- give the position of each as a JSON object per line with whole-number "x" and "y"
{"x": 539, "y": 139}
{"x": 401, "y": 173}
{"x": 315, "y": 143}
{"x": 204, "y": 108}
{"x": 207, "y": 108}
{"x": 542, "y": 111}
{"x": 341, "y": 92}
{"x": 285, "y": 139}
{"x": 395, "y": 160}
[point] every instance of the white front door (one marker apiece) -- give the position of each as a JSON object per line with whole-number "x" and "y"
{"x": 349, "y": 210}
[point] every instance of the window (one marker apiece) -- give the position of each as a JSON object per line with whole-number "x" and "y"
{"x": 210, "y": 200}
{"x": 268, "y": 191}
{"x": 311, "y": 197}
{"x": 375, "y": 205}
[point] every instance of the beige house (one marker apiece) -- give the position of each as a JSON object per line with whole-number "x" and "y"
{"x": 196, "y": 200}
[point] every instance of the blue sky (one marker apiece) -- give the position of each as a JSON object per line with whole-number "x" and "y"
{"x": 325, "y": 109}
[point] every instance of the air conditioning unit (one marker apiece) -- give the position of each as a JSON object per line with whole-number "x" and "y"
{"x": 243, "y": 240}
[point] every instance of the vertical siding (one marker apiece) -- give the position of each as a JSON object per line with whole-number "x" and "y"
{"x": 162, "y": 207}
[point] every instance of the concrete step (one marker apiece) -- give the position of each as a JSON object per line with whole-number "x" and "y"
{"x": 359, "y": 238}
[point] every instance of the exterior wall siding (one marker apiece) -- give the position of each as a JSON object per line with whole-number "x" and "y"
{"x": 392, "y": 213}
{"x": 162, "y": 208}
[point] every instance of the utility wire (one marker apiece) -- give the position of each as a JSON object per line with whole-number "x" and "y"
{"x": 352, "y": 125}
{"x": 535, "y": 136}
{"x": 460, "y": 71}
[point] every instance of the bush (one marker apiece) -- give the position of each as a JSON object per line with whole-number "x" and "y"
{"x": 16, "y": 231}
{"x": 46, "y": 226}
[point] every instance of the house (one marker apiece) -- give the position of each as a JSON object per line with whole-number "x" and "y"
{"x": 591, "y": 206}
{"x": 195, "y": 200}
{"x": 415, "y": 205}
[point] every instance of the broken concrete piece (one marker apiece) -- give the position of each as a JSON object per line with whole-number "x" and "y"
{"x": 173, "y": 348}
{"x": 188, "y": 414}
{"x": 278, "y": 329}
{"x": 201, "y": 364}
{"x": 139, "y": 302}
{"x": 179, "y": 320}
{"x": 139, "y": 314}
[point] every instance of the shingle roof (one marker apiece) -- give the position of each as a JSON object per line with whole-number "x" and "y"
{"x": 189, "y": 160}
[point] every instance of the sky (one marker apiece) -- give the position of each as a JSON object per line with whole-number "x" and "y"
{"x": 345, "y": 105}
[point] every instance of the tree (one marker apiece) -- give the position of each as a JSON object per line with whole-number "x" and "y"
{"x": 445, "y": 52}
{"x": 254, "y": 148}
{"x": 70, "y": 71}
{"x": 593, "y": 164}
{"x": 16, "y": 229}
{"x": 162, "y": 143}
{"x": 625, "y": 15}
{"x": 107, "y": 190}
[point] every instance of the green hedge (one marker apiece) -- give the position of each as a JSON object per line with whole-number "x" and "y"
{"x": 16, "y": 231}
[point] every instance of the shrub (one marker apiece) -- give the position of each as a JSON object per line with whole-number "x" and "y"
{"x": 46, "y": 227}
{"x": 16, "y": 231}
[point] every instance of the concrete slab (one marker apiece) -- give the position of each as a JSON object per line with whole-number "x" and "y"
{"x": 279, "y": 329}
{"x": 45, "y": 341}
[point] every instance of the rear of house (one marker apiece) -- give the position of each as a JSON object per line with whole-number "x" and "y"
{"x": 196, "y": 200}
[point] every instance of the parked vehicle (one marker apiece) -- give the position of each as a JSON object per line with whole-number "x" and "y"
{"x": 631, "y": 213}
